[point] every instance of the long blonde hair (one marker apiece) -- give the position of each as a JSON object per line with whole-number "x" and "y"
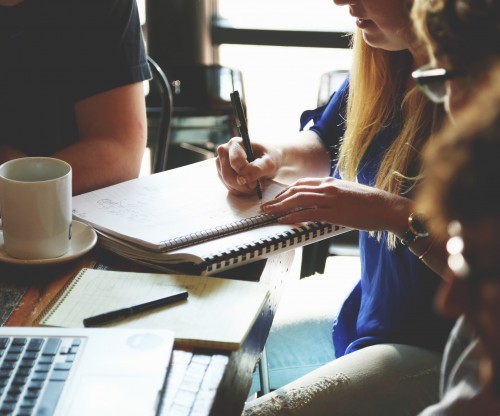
{"x": 378, "y": 96}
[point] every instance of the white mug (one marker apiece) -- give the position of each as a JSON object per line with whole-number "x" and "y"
{"x": 35, "y": 206}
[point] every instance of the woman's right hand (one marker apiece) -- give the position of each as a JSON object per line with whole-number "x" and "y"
{"x": 239, "y": 175}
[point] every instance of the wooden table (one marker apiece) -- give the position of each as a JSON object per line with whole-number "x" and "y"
{"x": 41, "y": 284}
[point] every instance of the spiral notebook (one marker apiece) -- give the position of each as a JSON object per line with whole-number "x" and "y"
{"x": 185, "y": 220}
{"x": 218, "y": 313}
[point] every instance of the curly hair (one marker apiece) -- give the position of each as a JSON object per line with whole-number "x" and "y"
{"x": 461, "y": 163}
{"x": 463, "y": 33}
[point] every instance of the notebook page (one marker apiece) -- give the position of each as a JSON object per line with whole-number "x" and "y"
{"x": 218, "y": 312}
{"x": 167, "y": 205}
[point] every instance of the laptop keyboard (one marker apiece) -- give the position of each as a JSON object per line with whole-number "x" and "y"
{"x": 33, "y": 372}
{"x": 192, "y": 383}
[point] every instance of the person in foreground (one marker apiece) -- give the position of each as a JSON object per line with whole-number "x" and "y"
{"x": 71, "y": 86}
{"x": 461, "y": 194}
{"x": 388, "y": 340}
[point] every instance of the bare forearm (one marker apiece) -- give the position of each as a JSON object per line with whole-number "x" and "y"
{"x": 113, "y": 131}
{"x": 304, "y": 156}
{"x": 429, "y": 249}
{"x": 433, "y": 253}
{"x": 99, "y": 162}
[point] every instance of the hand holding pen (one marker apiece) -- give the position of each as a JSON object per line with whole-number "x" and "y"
{"x": 243, "y": 128}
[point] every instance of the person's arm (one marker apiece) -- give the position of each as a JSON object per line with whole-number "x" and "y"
{"x": 356, "y": 206}
{"x": 113, "y": 129}
{"x": 307, "y": 155}
{"x": 304, "y": 155}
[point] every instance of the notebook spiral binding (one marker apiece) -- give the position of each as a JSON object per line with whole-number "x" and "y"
{"x": 257, "y": 249}
{"x": 217, "y": 232}
{"x": 59, "y": 298}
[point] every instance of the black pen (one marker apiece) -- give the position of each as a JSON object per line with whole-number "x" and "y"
{"x": 241, "y": 123}
{"x": 123, "y": 313}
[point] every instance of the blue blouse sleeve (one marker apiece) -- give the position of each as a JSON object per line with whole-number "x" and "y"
{"x": 329, "y": 120}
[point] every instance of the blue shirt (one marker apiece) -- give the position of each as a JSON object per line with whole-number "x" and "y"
{"x": 393, "y": 301}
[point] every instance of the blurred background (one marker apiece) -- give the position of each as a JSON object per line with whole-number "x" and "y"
{"x": 275, "y": 51}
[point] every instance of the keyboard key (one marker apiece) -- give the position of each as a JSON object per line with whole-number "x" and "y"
{"x": 46, "y": 359}
{"x": 32, "y": 394}
{"x": 19, "y": 380}
{"x": 50, "y": 396}
{"x": 52, "y": 346}
{"x": 59, "y": 375}
{"x": 70, "y": 358}
{"x": 27, "y": 403}
{"x": 19, "y": 341}
{"x": 39, "y": 376}
{"x": 7, "y": 408}
{"x": 4, "y": 341}
{"x": 35, "y": 344}
{"x": 35, "y": 385}
{"x": 177, "y": 410}
{"x": 42, "y": 368}
{"x": 15, "y": 390}
{"x": 11, "y": 398}
{"x": 12, "y": 357}
{"x": 63, "y": 366}
{"x": 8, "y": 366}
{"x": 27, "y": 363}
{"x": 185, "y": 398}
{"x": 24, "y": 372}
{"x": 5, "y": 374}
{"x": 15, "y": 349}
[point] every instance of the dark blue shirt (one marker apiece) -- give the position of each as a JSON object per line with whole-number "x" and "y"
{"x": 55, "y": 53}
{"x": 393, "y": 301}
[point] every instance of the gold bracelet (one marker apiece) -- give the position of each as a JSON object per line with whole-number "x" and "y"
{"x": 426, "y": 251}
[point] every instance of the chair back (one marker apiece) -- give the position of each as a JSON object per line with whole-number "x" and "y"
{"x": 203, "y": 115}
{"x": 329, "y": 83}
{"x": 159, "y": 106}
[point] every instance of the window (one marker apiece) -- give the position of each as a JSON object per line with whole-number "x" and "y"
{"x": 282, "y": 81}
{"x": 319, "y": 15}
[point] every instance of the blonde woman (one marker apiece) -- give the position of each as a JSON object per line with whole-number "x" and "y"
{"x": 388, "y": 341}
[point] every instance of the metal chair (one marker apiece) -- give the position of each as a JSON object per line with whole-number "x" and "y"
{"x": 159, "y": 106}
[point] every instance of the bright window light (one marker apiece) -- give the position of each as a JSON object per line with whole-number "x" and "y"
{"x": 281, "y": 82}
{"x": 320, "y": 15}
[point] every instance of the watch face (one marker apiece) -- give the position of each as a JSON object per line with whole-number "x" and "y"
{"x": 418, "y": 227}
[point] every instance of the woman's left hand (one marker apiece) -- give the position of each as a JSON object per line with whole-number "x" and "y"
{"x": 340, "y": 202}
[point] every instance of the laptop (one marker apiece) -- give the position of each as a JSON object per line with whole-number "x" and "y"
{"x": 83, "y": 371}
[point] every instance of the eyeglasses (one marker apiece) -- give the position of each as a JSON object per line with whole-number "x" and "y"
{"x": 462, "y": 268}
{"x": 432, "y": 81}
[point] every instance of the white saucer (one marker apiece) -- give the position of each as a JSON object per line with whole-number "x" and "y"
{"x": 83, "y": 238}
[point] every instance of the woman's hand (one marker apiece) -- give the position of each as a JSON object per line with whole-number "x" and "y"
{"x": 288, "y": 159}
{"x": 239, "y": 175}
{"x": 340, "y": 202}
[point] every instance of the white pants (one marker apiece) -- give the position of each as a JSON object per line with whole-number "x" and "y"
{"x": 385, "y": 380}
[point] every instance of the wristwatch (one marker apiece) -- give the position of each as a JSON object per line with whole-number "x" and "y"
{"x": 416, "y": 229}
